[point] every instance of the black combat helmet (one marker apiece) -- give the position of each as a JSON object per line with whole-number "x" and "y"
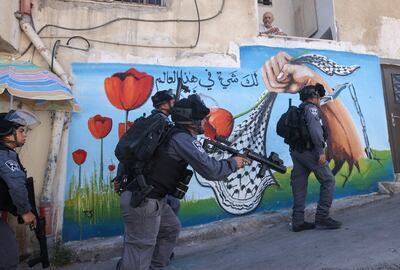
{"x": 308, "y": 91}
{"x": 162, "y": 96}
{"x": 189, "y": 110}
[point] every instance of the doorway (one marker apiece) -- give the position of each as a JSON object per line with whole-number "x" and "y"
{"x": 391, "y": 86}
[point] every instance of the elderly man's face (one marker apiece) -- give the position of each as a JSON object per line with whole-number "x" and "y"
{"x": 268, "y": 18}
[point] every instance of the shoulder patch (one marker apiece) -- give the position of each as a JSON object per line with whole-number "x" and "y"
{"x": 314, "y": 111}
{"x": 198, "y": 146}
{"x": 12, "y": 165}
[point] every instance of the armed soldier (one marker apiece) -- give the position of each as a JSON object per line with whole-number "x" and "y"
{"x": 13, "y": 192}
{"x": 163, "y": 102}
{"x": 309, "y": 156}
{"x": 151, "y": 229}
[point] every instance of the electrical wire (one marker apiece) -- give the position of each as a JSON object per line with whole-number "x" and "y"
{"x": 199, "y": 20}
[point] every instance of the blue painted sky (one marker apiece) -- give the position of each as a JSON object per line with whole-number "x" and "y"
{"x": 242, "y": 89}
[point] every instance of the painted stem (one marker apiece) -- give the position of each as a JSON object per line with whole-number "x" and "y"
{"x": 79, "y": 179}
{"x": 126, "y": 120}
{"x": 101, "y": 160}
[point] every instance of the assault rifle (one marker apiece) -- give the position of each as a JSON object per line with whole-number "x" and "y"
{"x": 272, "y": 162}
{"x": 39, "y": 230}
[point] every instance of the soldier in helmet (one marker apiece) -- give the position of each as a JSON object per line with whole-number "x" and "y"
{"x": 163, "y": 102}
{"x": 312, "y": 159}
{"x": 151, "y": 230}
{"x": 13, "y": 193}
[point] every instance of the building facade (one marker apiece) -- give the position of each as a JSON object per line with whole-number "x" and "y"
{"x": 217, "y": 49}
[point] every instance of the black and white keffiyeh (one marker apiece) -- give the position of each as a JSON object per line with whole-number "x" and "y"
{"x": 325, "y": 64}
{"x": 243, "y": 190}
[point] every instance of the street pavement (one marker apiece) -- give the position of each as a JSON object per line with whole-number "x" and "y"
{"x": 369, "y": 239}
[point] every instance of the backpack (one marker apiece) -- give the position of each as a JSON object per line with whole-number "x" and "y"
{"x": 140, "y": 142}
{"x": 292, "y": 127}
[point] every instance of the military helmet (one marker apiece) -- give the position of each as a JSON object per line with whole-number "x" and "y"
{"x": 162, "y": 96}
{"x": 189, "y": 110}
{"x": 13, "y": 119}
{"x": 308, "y": 91}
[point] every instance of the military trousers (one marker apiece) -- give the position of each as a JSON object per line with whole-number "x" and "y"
{"x": 303, "y": 164}
{"x": 150, "y": 235}
{"x": 8, "y": 248}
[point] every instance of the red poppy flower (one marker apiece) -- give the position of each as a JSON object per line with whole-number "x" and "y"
{"x": 121, "y": 128}
{"x": 128, "y": 90}
{"x": 99, "y": 126}
{"x": 111, "y": 167}
{"x": 79, "y": 156}
{"x": 219, "y": 122}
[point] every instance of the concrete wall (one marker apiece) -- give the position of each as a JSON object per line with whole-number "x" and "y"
{"x": 9, "y": 27}
{"x": 237, "y": 21}
{"x": 370, "y": 23}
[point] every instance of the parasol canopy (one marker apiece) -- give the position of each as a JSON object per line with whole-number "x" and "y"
{"x": 35, "y": 85}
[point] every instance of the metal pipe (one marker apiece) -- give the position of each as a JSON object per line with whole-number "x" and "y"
{"x": 59, "y": 118}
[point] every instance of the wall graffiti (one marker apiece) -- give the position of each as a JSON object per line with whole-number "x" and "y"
{"x": 246, "y": 103}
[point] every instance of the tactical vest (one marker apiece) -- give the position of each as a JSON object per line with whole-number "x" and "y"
{"x": 305, "y": 143}
{"x": 6, "y": 203}
{"x": 165, "y": 173}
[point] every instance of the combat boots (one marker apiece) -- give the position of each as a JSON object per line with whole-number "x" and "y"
{"x": 304, "y": 226}
{"x": 328, "y": 224}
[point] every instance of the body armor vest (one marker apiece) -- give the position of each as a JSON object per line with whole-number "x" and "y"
{"x": 6, "y": 203}
{"x": 165, "y": 173}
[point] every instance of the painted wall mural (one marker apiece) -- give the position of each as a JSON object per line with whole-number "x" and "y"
{"x": 246, "y": 103}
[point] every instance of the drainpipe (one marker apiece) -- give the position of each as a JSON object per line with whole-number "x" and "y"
{"x": 59, "y": 118}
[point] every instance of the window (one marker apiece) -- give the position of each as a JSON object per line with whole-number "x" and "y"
{"x": 265, "y": 2}
{"x": 145, "y": 2}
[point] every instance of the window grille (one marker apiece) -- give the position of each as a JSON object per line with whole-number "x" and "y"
{"x": 265, "y": 2}
{"x": 396, "y": 87}
{"x": 144, "y": 2}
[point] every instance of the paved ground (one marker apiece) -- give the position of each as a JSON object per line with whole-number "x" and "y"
{"x": 369, "y": 239}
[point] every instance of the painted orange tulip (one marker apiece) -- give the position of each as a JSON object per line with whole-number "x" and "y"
{"x": 99, "y": 126}
{"x": 79, "y": 156}
{"x": 128, "y": 90}
{"x": 219, "y": 122}
{"x": 121, "y": 128}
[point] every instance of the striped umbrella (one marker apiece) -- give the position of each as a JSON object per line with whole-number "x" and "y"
{"x": 37, "y": 86}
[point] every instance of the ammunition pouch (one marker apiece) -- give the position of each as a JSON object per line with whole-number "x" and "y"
{"x": 182, "y": 186}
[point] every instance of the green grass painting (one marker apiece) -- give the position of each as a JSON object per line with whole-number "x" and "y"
{"x": 95, "y": 206}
